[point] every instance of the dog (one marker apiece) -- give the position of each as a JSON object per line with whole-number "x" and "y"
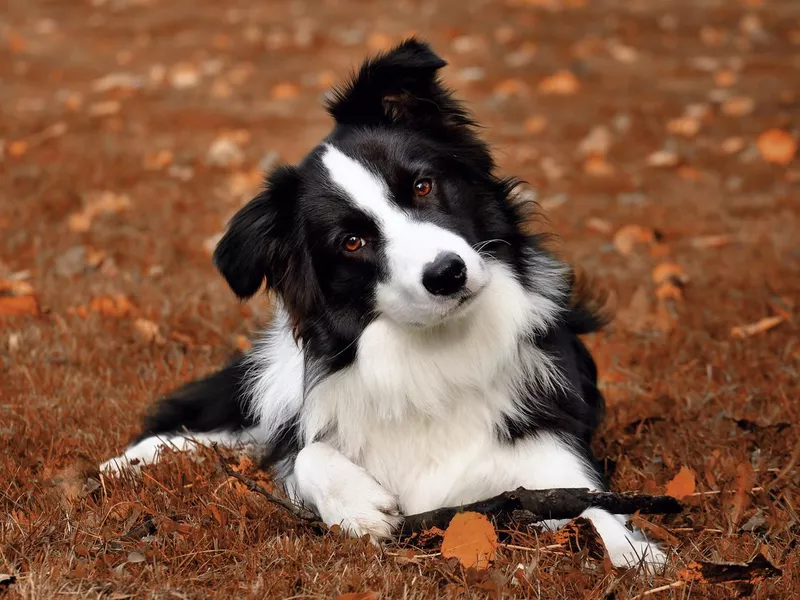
{"x": 424, "y": 350}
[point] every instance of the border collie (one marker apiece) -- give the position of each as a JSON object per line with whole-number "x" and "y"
{"x": 424, "y": 350}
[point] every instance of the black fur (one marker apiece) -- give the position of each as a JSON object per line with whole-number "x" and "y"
{"x": 213, "y": 403}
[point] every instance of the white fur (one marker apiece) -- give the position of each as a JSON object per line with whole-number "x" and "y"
{"x": 410, "y": 246}
{"x": 149, "y": 449}
{"x": 343, "y": 493}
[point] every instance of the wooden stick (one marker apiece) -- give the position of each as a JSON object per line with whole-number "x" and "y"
{"x": 524, "y": 506}
{"x": 300, "y": 512}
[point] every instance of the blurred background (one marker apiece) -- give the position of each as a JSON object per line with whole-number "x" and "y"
{"x": 660, "y": 137}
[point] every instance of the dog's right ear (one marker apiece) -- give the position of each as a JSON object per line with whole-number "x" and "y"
{"x": 256, "y": 245}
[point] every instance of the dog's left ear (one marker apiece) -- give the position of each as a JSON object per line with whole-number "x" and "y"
{"x": 256, "y": 244}
{"x": 400, "y": 86}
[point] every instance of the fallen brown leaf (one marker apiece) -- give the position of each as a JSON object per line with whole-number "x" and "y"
{"x": 535, "y": 124}
{"x": 745, "y": 479}
{"x": 16, "y": 306}
{"x": 712, "y": 241}
{"x": 666, "y": 272}
{"x": 471, "y": 539}
{"x": 113, "y": 306}
{"x": 654, "y": 531}
{"x": 598, "y": 166}
{"x": 148, "y": 332}
{"x": 15, "y": 287}
{"x": 682, "y": 485}
{"x": 777, "y": 146}
{"x": 765, "y": 324}
{"x": 98, "y": 203}
{"x": 562, "y": 83}
{"x": 738, "y": 106}
{"x": 599, "y": 225}
{"x": 724, "y": 78}
{"x": 683, "y": 126}
{"x": 662, "y": 158}
{"x": 630, "y": 236}
{"x": 732, "y": 145}
{"x": 285, "y": 90}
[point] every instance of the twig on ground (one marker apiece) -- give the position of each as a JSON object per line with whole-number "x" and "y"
{"x": 301, "y": 513}
{"x": 530, "y": 506}
{"x": 663, "y": 588}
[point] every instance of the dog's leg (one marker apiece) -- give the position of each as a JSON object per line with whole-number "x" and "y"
{"x": 205, "y": 411}
{"x": 343, "y": 493}
{"x": 552, "y": 463}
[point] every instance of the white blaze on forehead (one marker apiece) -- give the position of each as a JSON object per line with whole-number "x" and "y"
{"x": 410, "y": 244}
{"x": 369, "y": 192}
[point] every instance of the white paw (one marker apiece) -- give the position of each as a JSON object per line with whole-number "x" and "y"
{"x": 632, "y": 552}
{"x": 362, "y": 508}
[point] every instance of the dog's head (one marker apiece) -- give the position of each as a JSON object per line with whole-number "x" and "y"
{"x": 394, "y": 215}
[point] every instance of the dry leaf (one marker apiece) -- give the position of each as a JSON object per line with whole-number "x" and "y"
{"x": 712, "y": 241}
{"x": 662, "y": 158}
{"x": 16, "y": 306}
{"x": 563, "y": 83}
{"x": 154, "y": 161}
{"x": 535, "y": 124}
{"x": 682, "y": 485}
{"x": 666, "y": 272}
{"x": 630, "y": 236}
{"x": 724, "y": 78}
{"x": 598, "y": 166}
{"x": 669, "y": 291}
{"x": 148, "y": 331}
{"x": 765, "y": 324}
{"x": 98, "y": 203}
{"x": 15, "y": 287}
{"x": 184, "y": 76}
{"x": 113, "y": 306}
{"x": 777, "y": 146}
{"x": 285, "y": 91}
{"x": 684, "y": 126}
{"x": 104, "y": 109}
{"x": 17, "y": 148}
{"x": 510, "y": 87}
{"x": 597, "y": 142}
{"x": 738, "y": 106}
{"x": 732, "y": 145}
{"x": 242, "y": 343}
{"x": 471, "y": 539}
{"x": 224, "y": 152}
{"x": 599, "y": 225}
{"x": 745, "y": 478}
{"x": 654, "y": 531}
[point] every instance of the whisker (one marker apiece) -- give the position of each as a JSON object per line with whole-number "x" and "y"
{"x": 481, "y": 245}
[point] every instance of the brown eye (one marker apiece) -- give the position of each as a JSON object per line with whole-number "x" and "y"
{"x": 422, "y": 187}
{"x": 352, "y": 243}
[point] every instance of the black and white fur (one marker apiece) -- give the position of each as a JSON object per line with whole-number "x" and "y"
{"x": 438, "y": 364}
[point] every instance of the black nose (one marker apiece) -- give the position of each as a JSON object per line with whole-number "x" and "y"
{"x": 446, "y": 275}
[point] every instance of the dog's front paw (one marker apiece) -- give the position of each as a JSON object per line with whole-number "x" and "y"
{"x": 362, "y": 508}
{"x": 633, "y": 553}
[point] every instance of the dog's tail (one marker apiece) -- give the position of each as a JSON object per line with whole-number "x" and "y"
{"x": 214, "y": 403}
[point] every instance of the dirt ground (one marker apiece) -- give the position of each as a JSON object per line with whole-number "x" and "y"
{"x": 660, "y": 137}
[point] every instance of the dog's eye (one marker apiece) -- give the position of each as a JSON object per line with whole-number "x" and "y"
{"x": 352, "y": 243}
{"x": 422, "y": 187}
